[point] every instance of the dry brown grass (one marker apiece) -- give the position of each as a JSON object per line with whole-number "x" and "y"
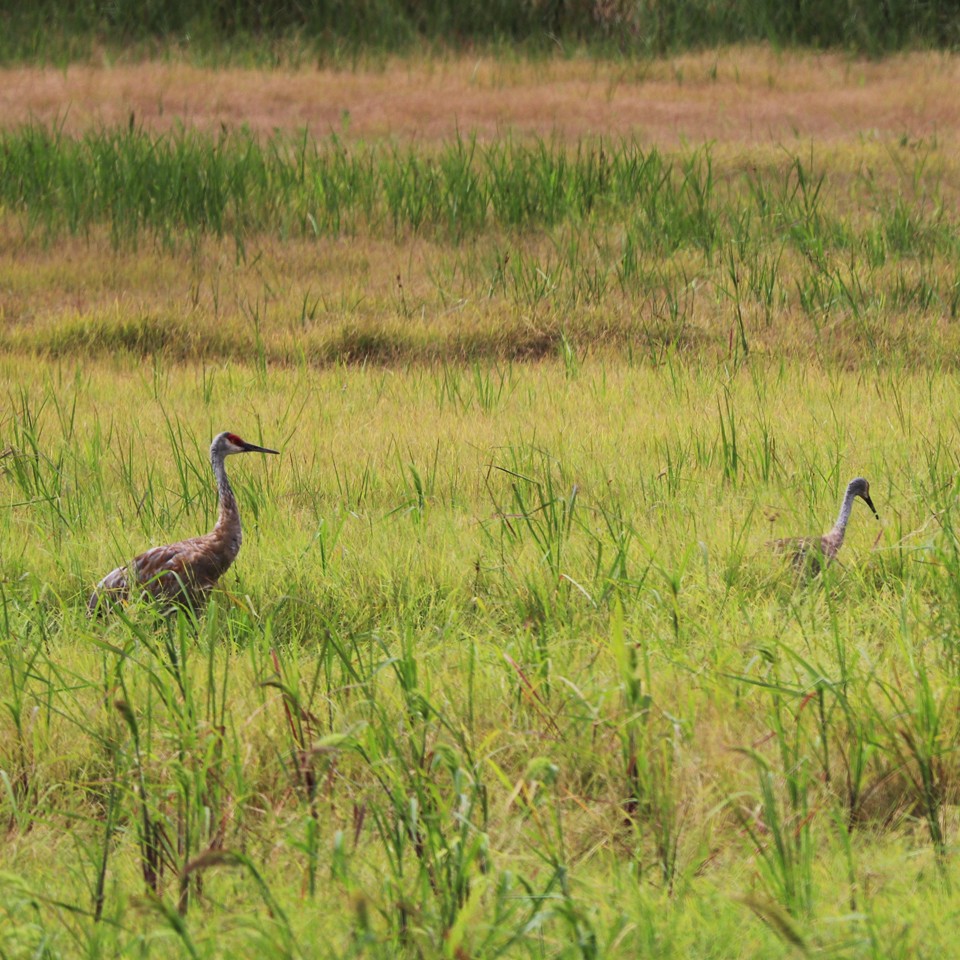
{"x": 737, "y": 96}
{"x": 323, "y": 301}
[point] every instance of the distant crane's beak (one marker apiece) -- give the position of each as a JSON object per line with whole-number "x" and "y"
{"x": 251, "y": 448}
{"x": 869, "y": 503}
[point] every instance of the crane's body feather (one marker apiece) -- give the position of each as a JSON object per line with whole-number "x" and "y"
{"x": 185, "y": 572}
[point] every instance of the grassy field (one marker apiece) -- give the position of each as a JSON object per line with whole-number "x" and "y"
{"x": 506, "y": 666}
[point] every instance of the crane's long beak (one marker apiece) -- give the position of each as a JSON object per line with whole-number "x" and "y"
{"x": 252, "y": 448}
{"x": 869, "y": 503}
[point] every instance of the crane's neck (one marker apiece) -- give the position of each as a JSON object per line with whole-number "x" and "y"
{"x": 840, "y": 527}
{"x": 228, "y": 522}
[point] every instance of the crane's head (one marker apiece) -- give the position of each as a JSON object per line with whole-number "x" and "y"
{"x": 225, "y": 444}
{"x": 858, "y": 487}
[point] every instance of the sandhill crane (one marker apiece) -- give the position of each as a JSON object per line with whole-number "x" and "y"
{"x": 185, "y": 572}
{"x": 809, "y": 552}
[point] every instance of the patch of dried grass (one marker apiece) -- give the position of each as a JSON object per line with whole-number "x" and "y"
{"x": 736, "y": 95}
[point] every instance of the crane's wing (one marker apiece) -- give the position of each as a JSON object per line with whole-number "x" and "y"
{"x": 183, "y": 572}
{"x": 167, "y": 571}
{"x": 170, "y": 570}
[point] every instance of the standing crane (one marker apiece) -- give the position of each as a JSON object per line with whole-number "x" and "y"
{"x": 810, "y": 552}
{"x": 185, "y": 572}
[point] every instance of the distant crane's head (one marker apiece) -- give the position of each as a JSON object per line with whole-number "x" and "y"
{"x": 225, "y": 444}
{"x": 858, "y": 487}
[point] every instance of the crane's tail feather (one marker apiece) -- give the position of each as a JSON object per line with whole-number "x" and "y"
{"x": 111, "y": 590}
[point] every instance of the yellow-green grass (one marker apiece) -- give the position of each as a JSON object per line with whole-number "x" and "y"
{"x": 527, "y": 611}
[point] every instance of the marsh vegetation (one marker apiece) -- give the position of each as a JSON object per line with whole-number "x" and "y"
{"x": 504, "y": 667}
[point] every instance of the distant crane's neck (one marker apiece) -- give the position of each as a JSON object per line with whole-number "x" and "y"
{"x": 840, "y": 527}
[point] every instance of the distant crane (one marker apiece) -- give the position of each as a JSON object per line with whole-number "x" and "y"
{"x": 185, "y": 572}
{"x": 809, "y": 552}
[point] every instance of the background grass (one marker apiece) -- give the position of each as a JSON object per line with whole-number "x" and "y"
{"x": 319, "y": 251}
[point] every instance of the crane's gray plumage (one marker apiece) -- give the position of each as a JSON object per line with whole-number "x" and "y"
{"x": 812, "y": 552}
{"x": 185, "y": 572}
